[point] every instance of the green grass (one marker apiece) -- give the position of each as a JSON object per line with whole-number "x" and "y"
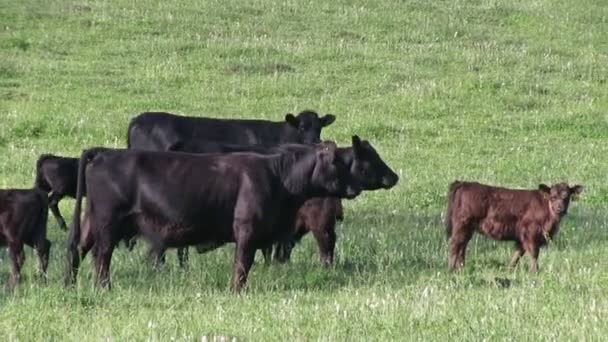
{"x": 504, "y": 92}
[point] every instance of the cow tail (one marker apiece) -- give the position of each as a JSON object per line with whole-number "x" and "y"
{"x": 448, "y": 216}
{"x": 129, "y": 129}
{"x": 40, "y": 182}
{"x": 74, "y": 236}
{"x": 41, "y": 222}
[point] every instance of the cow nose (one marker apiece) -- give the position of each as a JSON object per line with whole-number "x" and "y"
{"x": 352, "y": 192}
{"x": 390, "y": 181}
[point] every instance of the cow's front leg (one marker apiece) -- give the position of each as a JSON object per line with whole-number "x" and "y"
{"x": 267, "y": 253}
{"x": 182, "y": 257}
{"x": 43, "y": 248}
{"x": 17, "y": 260}
{"x": 326, "y": 241}
{"x": 519, "y": 251}
{"x": 243, "y": 259}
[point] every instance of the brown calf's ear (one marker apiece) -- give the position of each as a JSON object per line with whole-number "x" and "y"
{"x": 292, "y": 120}
{"x": 326, "y": 152}
{"x": 329, "y": 143}
{"x": 327, "y": 120}
{"x": 544, "y": 188}
{"x": 575, "y": 191}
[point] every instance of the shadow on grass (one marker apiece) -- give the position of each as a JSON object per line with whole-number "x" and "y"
{"x": 373, "y": 247}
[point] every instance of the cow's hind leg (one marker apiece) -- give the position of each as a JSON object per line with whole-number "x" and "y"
{"x": 54, "y": 206}
{"x": 461, "y": 234}
{"x": 105, "y": 241}
{"x": 17, "y": 259}
{"x": 517, "y": 254}
{"x": 533, "y": 250}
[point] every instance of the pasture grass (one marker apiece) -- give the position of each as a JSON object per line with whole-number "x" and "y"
{"x": 503, "y": 92}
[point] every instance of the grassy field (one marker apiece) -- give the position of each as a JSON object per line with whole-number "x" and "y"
{"x": 504, "y": 92}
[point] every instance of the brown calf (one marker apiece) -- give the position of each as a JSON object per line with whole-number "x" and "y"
{"x": 23, "y": 216}
{"x": 528, "y": 217}
{"x": 319, "y": 216}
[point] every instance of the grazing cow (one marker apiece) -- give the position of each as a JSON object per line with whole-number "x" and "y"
{"x": 165, "y": 132}
{"x": 181, "y": 199}
{"x": 528, "y": 217}
{"x": 23, "y": 217}
{"x": 57, "y": 176}
{"x": 317, "y": 215}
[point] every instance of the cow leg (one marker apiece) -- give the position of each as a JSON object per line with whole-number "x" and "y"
{"x": 54, "y": 206}
{"x": 129, "y": 243}
{"x": 103, "y": 257}
{"x": 182, "y": 257}
{"x": 102, "y": 254}
{"x": 282, "y": 251}
{"x": 156, "y": 255}
{"x": 43, "y": 248}
{"x": 267, "y": 253}
{"x": 461, "y": 234}
{"x": 17, "y": 259}
{"x": 326, "y": 241}
{"x": 533, "y": 250}
{"x": 243, "y": 259}
{"x": 519, "y": 251}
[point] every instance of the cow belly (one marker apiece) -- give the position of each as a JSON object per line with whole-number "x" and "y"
{"x": 497, "y": 230}
{"x": 181, "y": 234}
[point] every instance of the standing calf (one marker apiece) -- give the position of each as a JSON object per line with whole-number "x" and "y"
{"x": 528, "y": 217}
{"x": 23, "y": 216}
{"x": 57, "y": 176}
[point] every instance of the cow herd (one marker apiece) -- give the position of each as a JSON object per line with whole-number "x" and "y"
{"x": 203, "y": 182}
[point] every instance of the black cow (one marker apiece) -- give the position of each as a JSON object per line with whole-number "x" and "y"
{"x": 180, "y": 199}
{"x": 57, "y": 176}
{"x": 23, "y": 217}
{"x": 157, "y": 131}
{"x": 317, "y": 215}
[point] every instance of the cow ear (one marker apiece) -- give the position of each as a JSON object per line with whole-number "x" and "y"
{"x": 327, "y": 120}
{"x": 326, "y": 152}
{"x": 292, "y": 120}
{"x": 575, "y": 191}
{"x": 544, "y": 188}
{"x": 357, "y": 145}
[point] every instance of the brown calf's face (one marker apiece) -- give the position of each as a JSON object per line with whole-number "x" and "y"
{"x": 559, "y": 196}
{"x": 309, "y": 125}
{"x": 331, "y": 173}
{"x": 369, "y": 169}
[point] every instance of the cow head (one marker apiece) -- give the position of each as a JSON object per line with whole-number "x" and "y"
{"x": 308, "y": 125}
{"x": 331, "y": 174}
{"x": 369, "y": 169}
{"x": 559, "y": 196}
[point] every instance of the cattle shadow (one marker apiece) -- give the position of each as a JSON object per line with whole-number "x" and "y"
{"x": 373, "y": 247}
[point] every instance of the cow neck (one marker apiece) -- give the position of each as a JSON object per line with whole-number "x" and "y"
{"x": 347, "y": 154}
{"x": 295, "y": 172}
{"x": 554, "y": 219}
